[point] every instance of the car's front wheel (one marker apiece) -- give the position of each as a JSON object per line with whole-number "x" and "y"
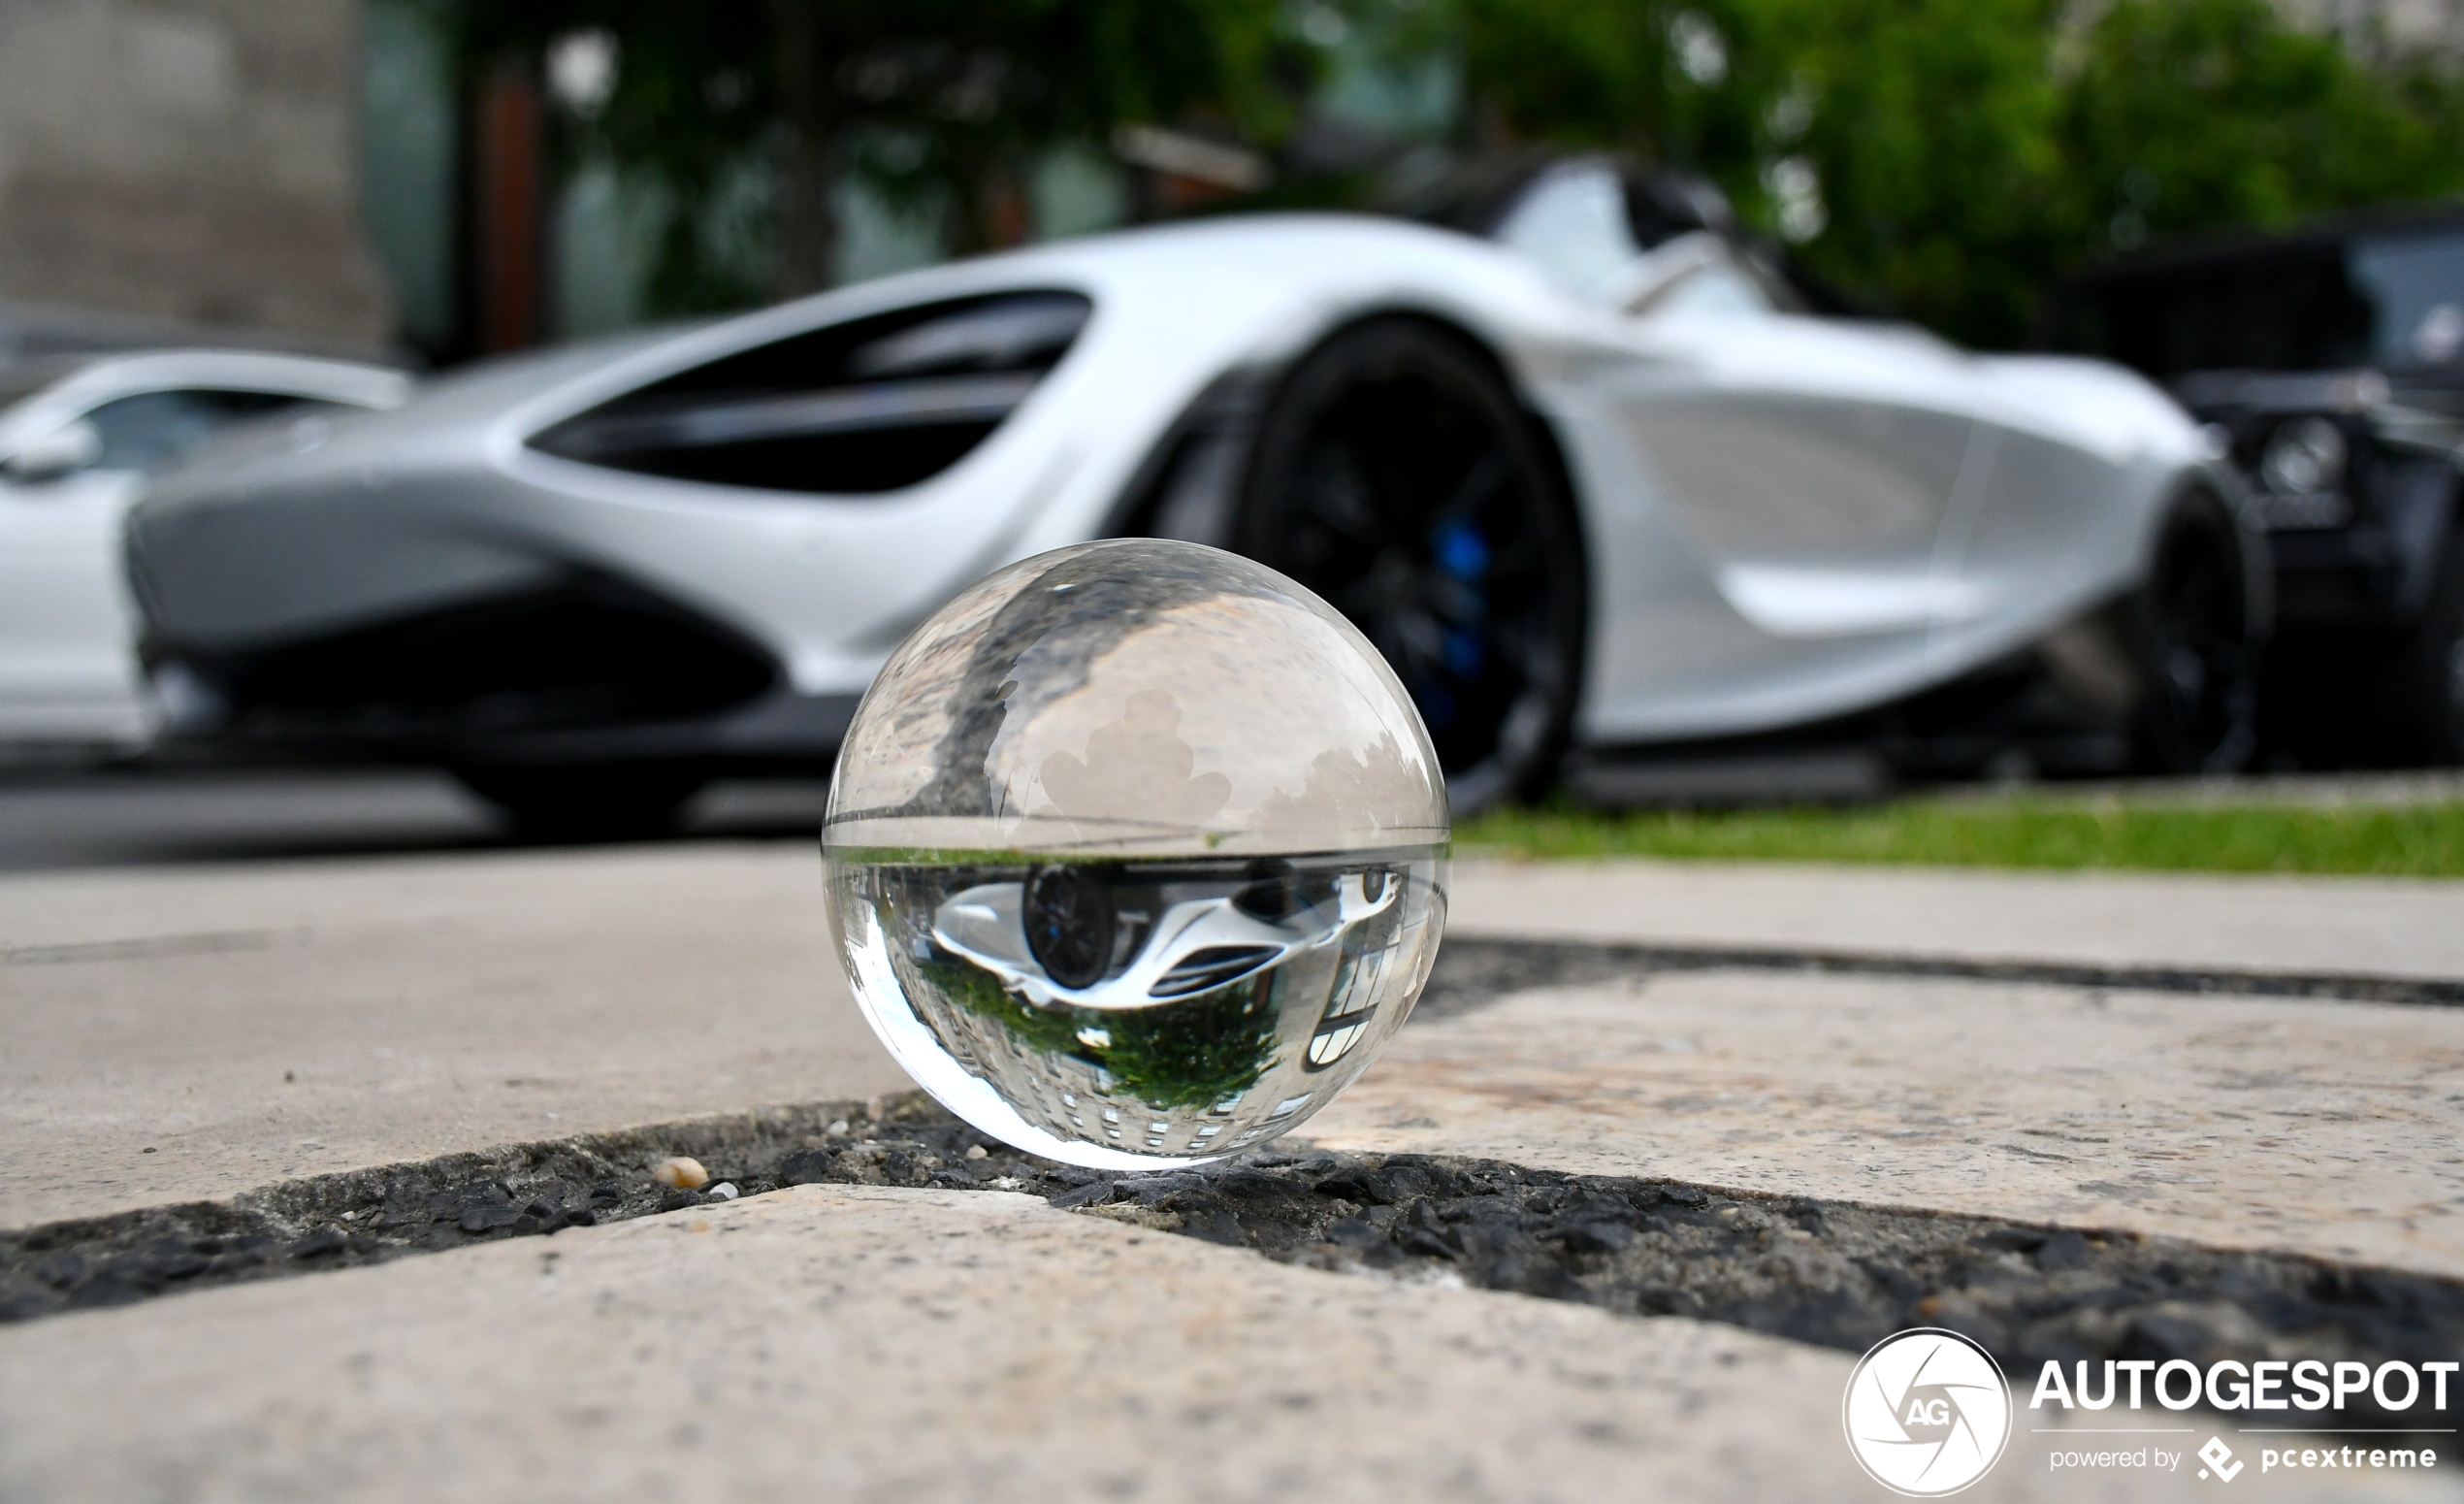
{"x": 1395, "y": 475}
{"x": 2199, "y": 620}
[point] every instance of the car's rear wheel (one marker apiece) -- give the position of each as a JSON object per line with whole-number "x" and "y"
{"x": 587, "y": 803}
{"x": 2198, "y": 628}
{"x": 1395, "y": 475}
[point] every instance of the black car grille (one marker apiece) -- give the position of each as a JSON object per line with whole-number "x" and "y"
{"x": 586, "y": 653}
{"x": 1207, "y": 969}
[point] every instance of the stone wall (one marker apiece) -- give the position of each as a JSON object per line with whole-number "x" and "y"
{"x": 194, "y": 161}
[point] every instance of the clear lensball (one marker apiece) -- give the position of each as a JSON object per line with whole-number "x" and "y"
{"x": 1136, "y": 854}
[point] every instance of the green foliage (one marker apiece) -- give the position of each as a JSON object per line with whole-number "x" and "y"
{"x": 941, "y": 101}
{"x": 1962, "y": 152}
{"x": 1578, "y": 71}
{"x": 733, "y": 122}
{"x": 2416, "y": 840}
{"x": 1189, "y": 1055}
{"x": 694, "y": 103}
{"x": 1203, "y": 1050}
{"x": 1044, "y": 1030}
{"x": 1938, "y": 159}
{"x": 2191, "y": 114}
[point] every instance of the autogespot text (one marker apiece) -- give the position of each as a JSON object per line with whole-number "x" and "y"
{"x": 2310, "y": 1394}
{"x": 2270, "y": 1384}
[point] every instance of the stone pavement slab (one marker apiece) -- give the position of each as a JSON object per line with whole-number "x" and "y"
{"x": 253, "y": 1022}
{"x": 2332, "y": 1128}
{"x": 2341, "y": 926}
{"x": 847, "y": 1343}
{"x": 850, "y": 1342}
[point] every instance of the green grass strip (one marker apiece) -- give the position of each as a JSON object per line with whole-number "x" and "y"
{"x": 2394, "y": 841}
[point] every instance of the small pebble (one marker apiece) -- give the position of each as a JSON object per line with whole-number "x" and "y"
{"x": 680, "y": 1173}
{"x": 839, "y": 1126}
{"x": 149, "y": 1149}
{"x": 725, "y": 1190}
{"x": 977, "y": 1152}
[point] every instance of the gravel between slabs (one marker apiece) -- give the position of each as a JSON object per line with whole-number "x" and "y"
{"x": 1832, "y": 1273}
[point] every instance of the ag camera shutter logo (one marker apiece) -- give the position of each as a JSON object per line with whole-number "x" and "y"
{"x": 1927, "y": 1412}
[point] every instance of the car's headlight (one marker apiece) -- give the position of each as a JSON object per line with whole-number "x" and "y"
{"x": 2301, "y": 475}
{"x": 2303, "y": 457}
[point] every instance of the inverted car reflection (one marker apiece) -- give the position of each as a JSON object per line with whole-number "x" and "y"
{"x": 1591, "y": 477}
{"x": 1034, "y": 940}
{"x": 1177, "y": 1004}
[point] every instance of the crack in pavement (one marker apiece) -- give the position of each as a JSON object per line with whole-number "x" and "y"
{"x": 1474, "y": 971}
{"x": 210, "y": 942}
{"x": 1832, "y": 1273}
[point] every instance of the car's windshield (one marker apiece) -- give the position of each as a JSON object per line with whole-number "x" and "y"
{"x": 1579, "y": 224}
{"x": 2393, "y": 300}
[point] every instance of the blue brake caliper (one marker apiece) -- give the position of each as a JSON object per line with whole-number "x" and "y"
{"x": 1461, "y": 552}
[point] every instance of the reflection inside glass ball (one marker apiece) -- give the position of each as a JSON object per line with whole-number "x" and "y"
{"x": 1136, "y": 855}
{"x": 1184, "y": 1008}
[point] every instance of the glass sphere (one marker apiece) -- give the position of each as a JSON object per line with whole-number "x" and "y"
{"x": 1136, "y": 854}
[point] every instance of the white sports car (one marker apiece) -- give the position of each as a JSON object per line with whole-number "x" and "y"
{"x": 1590, "y": 477}
{"x": 78, "y": 436}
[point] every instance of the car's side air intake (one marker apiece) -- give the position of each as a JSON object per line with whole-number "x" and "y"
{"x": 855, "y": 409}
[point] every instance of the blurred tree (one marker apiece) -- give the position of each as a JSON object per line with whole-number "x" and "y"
{"x": 2196, "y": 115}
{"x": 1942, "y": 159}
{"x": 1904, "y": 149}
{"x": 1939, "y": 160}
{"x": 941, "y": 105}
{"x": 948, "y": 104}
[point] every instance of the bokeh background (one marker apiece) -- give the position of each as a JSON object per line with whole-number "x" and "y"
{"x": 449, "y": 178}
{"x": 435, "y": 181}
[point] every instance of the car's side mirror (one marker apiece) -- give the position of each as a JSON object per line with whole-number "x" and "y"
{"x": 50, "y": 453}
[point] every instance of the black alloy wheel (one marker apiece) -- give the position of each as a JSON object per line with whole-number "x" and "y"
{"x": 1396, "y": 476}
{"x": 1070, "y": 924}
{"x": 2200, "y": 653}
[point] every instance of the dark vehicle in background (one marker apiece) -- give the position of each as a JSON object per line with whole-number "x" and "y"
{"x": 2330, "y": 363}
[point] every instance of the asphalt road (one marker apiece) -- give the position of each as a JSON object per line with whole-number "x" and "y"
{"x": 121, "y": 817}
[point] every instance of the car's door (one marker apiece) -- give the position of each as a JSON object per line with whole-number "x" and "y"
{"x": 66, "y": 670}
{"x": 1772, "y": 486}
{"x": 1804, "y": 466}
